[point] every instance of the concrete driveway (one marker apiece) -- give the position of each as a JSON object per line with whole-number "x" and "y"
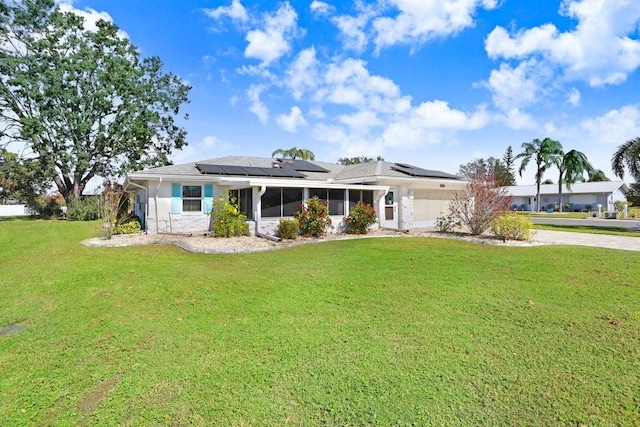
{"x": 581, "y": 239}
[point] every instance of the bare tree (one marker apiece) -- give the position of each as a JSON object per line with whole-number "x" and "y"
{"x": 482, "y": 201}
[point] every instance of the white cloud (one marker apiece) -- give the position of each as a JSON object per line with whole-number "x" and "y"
{"x": 90, "y": 16}
{"x": 302, "y": 74}
{"x": 614, "y": 127}
{"x": 513, "y": 88}
{"x": 320, "y": 7}
{"x": 273, "y": 41}
{"x": 353, "y": 29}
{"x": 419, "y": 21}
{"x": 574, "y": 97}
{"x": 235, "y": 11}
{"x": 208, "y": 146}
{"x": 257, "y": 107}
{"x": 518, "y": 120}
{"x": 292, "y": 121}
{"x": 349, "y": 83}
{"x": 599, "y": 51}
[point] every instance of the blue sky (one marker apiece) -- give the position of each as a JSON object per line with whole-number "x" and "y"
{"x": 435, "y": 83}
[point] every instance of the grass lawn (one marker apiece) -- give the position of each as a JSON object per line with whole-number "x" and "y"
{"x": 579, "y": 215}
{"x": 589, "y": 229}
{"x": 387, "y": 331}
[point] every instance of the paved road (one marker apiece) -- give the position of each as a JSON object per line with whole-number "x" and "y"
{"x": 583, "y": 239}
{"x": 591, "y": 222}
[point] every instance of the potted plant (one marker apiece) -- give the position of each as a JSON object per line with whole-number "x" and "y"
{"x": 550, "y": 208}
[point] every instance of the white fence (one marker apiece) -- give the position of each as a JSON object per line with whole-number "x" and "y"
{"x": 14, "y": 210}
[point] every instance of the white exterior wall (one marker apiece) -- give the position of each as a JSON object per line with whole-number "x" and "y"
{"x": 167, "y": 222}
{"x": 14, "y": 210}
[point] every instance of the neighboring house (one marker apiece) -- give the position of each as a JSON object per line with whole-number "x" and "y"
{"x": 581, "y": 196}
{"x": 178, "y": 198}
{"x": 14, "y": 210}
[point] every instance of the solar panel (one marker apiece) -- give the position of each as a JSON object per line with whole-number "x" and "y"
{"x": 303, "y": 165}
{"x": 209, "y": 169}
{"x": 282, "y": 172}
{"x": 233, "y": 170}
{"x": 421, "y": 173}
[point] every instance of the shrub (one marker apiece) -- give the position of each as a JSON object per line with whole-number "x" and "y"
{"x": 226, "y": 219}
{"x": 131, "y": 226}
{"x": 288, "y": 229}
{"x": 480, "y": 203}
{"x": 83, "y": 209}
{"x": 618, "y": 205}
{"x": 361, "y": 217}
{"x": 49, "y": 206}
{"x": 446, "y": 224}
{"x": 512, "y": 227}
{"x": 314, "y": 217}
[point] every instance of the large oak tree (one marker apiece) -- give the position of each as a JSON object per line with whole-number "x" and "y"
{"x": 83, "y": 102}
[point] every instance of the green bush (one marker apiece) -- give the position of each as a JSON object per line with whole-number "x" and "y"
{"x": 84, "y": 209}
{"x": 361, "y": 217}
{"x": 314, "y": 217}
{"x": 47, "y": 207}
{"x": 512, "y": 227}
{"x": 131, "y": 226}
{"x": 227, "y": 220}
{"x": 447, "y": 223}
{"x": 288, "y": 229}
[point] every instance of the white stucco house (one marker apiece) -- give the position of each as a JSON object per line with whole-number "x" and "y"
{"x": 581, "y": 196}
{"x": 178, "y": 198}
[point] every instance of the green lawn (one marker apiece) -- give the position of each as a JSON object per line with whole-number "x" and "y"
{"x": 579, "y": 215}
{"x": 388, "y": 331}
{"x": 589, "y": 229}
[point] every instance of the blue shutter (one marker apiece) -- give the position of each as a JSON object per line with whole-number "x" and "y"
{"x": 176, "y": 198}
{"x": 208, "y": 198}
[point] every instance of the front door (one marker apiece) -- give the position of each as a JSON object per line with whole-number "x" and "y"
{"x": 390, "y": 211}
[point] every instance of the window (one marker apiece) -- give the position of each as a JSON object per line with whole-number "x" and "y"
{"x": 279, "y": 202}
{"x": 191, "y": 198}
{"x": 357, "y": 196}
{"x": 334, "y": 196}
{"x": 244, "y": 200}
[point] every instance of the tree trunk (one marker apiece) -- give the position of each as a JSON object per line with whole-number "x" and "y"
{"x": 560, "y": 194}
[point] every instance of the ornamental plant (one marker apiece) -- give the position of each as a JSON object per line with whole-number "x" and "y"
{"x": 512, "y": 227}
{"x": 361, "y": 217}
{"x": 227, "y": 220}
{"x": 447, "y": 223}
{"x": 288, "y": 229}
{"x": 313, "y": 218}
{"x": 132, "y": 226}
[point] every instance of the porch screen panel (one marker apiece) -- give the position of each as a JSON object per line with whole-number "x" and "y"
{"x": 336, "y": 202}
{"x": 320, "y": 192}
{"x": 271, "y": 203}
{"x": 356, "y": 196}
{"x": 291, "y": 200}
{"x": 367, "y": 197}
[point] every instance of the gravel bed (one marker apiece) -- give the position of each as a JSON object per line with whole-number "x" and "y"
{"x": 210, "y": 245}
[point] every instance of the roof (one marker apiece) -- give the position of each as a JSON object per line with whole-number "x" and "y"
{"x": 310, "y": 170}
{"x": 606, "y": 187}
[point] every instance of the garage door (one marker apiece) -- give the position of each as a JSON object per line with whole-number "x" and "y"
{"x": 430, "y": 204}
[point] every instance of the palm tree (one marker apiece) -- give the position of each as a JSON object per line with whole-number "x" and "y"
{"x": 628, "y": 154}
{"x": 572, "y": 167}
{"x": 545, "y": 153}
{"x": 598, "y": 175}
{"x": 294, "y": 153}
